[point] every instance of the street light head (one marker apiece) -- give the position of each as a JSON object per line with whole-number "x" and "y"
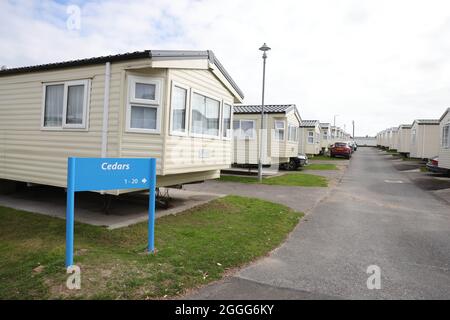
{"x": 264, "y": 47}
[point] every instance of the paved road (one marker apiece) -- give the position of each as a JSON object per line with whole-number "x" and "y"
{"x": 376, "y": 216}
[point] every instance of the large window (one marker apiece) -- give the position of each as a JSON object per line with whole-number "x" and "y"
{"x": 226, "y": 124}
{"x": 65, "y": 105}
{"x": 310, "y": 136}
{"x": 179, "y": 109}
{"x": 205, "y": 116}
{"x": 446, "y": 136}
{"x": 279, "y": 129}
{"x": 143, "y": 112}
{"x": 292, "y": 133}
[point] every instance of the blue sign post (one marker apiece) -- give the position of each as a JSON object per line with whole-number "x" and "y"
{"x": 95, "y": 174}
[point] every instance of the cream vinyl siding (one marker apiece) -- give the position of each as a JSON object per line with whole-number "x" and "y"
{"x": 192, "y": 154}
{"x": 427, "y": 141}
{"x": 310, "y": 148}
{"x": 325, "y": 143}
{"x": 404, "y": 137}
{"x": 246, "y": 151}
{"x": 444, "y": 153}
{"x": 30, "y": 154}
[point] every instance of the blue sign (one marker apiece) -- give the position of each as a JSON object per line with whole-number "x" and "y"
{"x": 94, "y": 174}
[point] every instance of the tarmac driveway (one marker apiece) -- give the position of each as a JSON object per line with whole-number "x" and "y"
{"x": 375, "y": 217}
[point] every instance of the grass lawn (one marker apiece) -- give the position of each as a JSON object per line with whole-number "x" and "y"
{"x": 193, "y": 248}
{"x": 391, "y": 151}
{"x": 321, "y": 166}
{"x": 289, "y": 179}
{"x": 423, "y": 169}
{"x": 326, "y": 158}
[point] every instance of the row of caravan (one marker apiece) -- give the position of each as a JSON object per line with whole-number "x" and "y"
{"x": 284, "y": 136}
{"x": 423, "y": 139}
{"x": 180, "y": 107}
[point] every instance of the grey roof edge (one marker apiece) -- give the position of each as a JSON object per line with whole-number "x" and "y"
{"x": 405, "y": 126}
{"x": 426, "y": 121}
{"x": 166, "y": 54}
{"x": 444, "y": 114}
{"x": 289, "y": 107}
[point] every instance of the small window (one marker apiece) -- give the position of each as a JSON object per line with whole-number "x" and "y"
{"x": 179, "y": 107}
{"x": 247, "y": 129}
{"x": 279, "y": 129}
{"x": 65, "y": 105}
{"x": 143, "y": 107}
{"x": 205, "y": 116}
{"x": 292, "y": 133}
{"x": 144, "y": 90}
{"x": 446, "y": 136}
{"x": 413, "y": 136}
{"x": 310, "y": 137}
{"x": 226, "y": 125}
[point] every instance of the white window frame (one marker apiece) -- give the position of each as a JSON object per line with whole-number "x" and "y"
{"x": 278, "y": 129}
{"x": 147, "y": 103}
{"x": 187, "y": 114}
{"x": 86, "y": 104}
{"x": 308, "y": 136}
{"x": 447, "y": 145}
{"x": 241, "y": 136}
{"x": 289, "y": 132}
{"x": 132, "y": 80}
{"x": 224, "y": 102}
{"x": 207, "y": 95}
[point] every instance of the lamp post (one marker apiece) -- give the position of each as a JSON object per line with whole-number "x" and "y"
{"x": 264, "y": 49}
{"x": 334, "y": 125}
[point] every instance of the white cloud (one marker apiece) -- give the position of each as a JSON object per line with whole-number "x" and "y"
{"x": 380, "y": 63}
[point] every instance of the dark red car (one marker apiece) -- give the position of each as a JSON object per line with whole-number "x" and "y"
{"x": 341, "y": 149}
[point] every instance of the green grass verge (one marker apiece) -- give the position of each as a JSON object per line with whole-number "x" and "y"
{"x": 423, "y": 169}
{"x": 321, "y": 166}
{"x": 326, "y": 158}
{"x": 391, "y": 151}
{"x": 194, "y": 248}
{"x": 289, "y": 179}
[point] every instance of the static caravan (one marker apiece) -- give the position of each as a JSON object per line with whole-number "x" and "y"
{"x": 424, "y": 139}
{"x": 444, "y": 148}
{"x": 325, "y": 134}
{"x": 279, "y": 142}
{"x": 333, "y": 130}
{"x": 404, "y": 138}
{"x": 175, "y": 106}
{"x": 393, "y": 139}
{"x": 310, "y": 137}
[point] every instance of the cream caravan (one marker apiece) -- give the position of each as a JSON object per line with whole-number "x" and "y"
{"x": 175, "y": 106}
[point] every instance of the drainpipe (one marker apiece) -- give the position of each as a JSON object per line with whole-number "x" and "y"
{"x": 106, "y": 110}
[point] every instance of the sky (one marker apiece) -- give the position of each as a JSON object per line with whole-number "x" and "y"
{"x": 380, "y": 63}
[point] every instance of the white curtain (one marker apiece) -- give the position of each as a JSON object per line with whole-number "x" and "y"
{"x": 75, "y": 102}
{"x": 54, "y": 100}
{"x": 143, "y": 117}
{"x": 179, "y": 109}
{"x": 145, "y": 91}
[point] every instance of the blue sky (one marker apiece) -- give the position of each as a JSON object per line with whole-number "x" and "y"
{"x": 380, "y": 63}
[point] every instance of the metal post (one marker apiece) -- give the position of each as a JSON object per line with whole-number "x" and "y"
{"x": 70, "y": 211}
{"x": 151, "y": 208}
{"x": 264, "y": 49}
{"x": 353, "y": 134}
{"x": 262, "y": 121}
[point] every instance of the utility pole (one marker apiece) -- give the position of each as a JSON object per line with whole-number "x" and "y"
{"x": 353, "y": 123}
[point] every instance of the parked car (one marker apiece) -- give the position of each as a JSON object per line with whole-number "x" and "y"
{"x": 353, "y": 145}
{"x": 433, "y": 166}
{"x": 295, "y": 162}
{"x": 341, "y": 149}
